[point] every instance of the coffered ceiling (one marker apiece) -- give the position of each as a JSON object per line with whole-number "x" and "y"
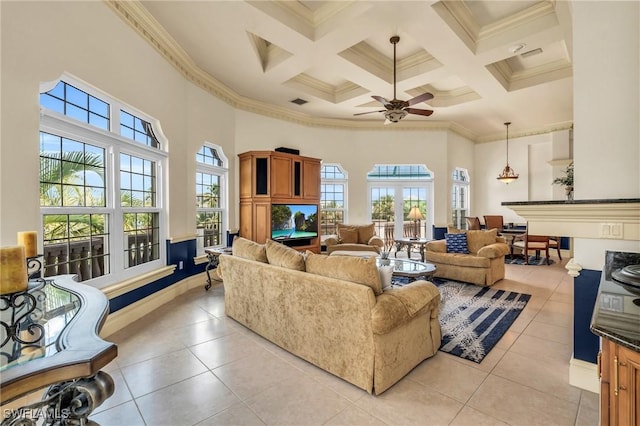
{"x": 486, "y": 62}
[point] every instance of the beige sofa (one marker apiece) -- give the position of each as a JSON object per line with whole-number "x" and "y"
{"x": 484, "y": 265}
{"x": 335, "y": 315}
{"x": 354, "y": 238}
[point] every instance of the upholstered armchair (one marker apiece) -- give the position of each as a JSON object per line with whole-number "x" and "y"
{"x": 354, "y": 238}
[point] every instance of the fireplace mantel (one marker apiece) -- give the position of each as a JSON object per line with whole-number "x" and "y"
{"x": 613, "y": 219}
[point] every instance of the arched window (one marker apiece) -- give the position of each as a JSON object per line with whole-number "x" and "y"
{"x": 101, "y": 185}
{"x": 459, "y": 198}
{"x": 211, "y": 196}
{"x": 333, "y": 197}
{"x": 393, "y": 190}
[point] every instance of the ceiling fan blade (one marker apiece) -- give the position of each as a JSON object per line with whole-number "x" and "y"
{"x": 425, "y": 112}
{"x": 369, "y": 112}
{"x": 421, "y": 98}
{"x": 382, "y": 100}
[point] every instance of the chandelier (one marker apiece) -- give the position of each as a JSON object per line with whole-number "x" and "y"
{"x": 508, "y": 175}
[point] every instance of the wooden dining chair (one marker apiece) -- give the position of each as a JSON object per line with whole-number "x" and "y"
{"x": 554, "y": 243}
{"x": 493, "y": 221}
{"x": 535, "y": 243}
{"x": 473, "y": 223}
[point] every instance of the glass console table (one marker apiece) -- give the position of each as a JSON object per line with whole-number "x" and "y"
{"x": 49, "y": 338}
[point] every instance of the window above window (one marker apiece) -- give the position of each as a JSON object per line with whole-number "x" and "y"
{"x": 401, "y": 171}
{"x": 77, "y": 104}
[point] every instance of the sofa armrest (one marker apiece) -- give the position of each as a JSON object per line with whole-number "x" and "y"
{"x": 437, "y": 245}
{"x": 331, "y": 241}
{"x": 376, "y": 242}
{"x": 399, "y": 305}
{"x": 494, "y": 250}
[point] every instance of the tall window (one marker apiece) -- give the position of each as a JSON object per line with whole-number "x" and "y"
{"x": 459, "y": 198}
{"x": 211, "y": 198}
{"x": 333, "y": 205}
{"x": 101, "y": 189}
{"x": 393, "y": 190}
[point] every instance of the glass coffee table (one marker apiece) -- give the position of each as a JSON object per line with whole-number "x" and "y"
{"x": 410, "y": 269}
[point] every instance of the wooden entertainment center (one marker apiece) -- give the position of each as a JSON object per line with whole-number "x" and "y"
{"x": 268, "y": 178}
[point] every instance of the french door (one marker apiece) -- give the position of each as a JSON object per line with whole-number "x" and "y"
{"x": 390, "y": 204}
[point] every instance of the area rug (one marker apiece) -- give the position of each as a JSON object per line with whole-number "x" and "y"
{"x": 473, "y": 319}
{"x": 533, "y": 261}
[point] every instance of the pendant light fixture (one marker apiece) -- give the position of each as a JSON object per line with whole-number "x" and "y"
{"x": 508, "y": 175}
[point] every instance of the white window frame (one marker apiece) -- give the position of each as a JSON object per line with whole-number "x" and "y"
{"x": 398, "y": 184}
{"x": 344, "y": 182}
{"x": 60, "y": 125}
{"x": 223, "y": 203}
{"x": 457, "y": 185}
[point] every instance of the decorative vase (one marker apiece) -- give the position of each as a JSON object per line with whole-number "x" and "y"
{"x": 569, "y": 191}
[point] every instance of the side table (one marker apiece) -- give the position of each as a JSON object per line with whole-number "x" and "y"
{"x": 213, "y": 255}
{"x": 410, "y": 242}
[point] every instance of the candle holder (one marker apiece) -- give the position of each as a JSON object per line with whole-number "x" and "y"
{"x": 34, "y": 266}
{"x": 20, "y": 314}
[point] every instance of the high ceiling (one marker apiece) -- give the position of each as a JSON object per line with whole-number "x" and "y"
{"x": 486, "y": 62}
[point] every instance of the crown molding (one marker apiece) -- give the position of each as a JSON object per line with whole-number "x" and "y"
{"x": 556, "y": 127}
{"x": 140, "y": 20}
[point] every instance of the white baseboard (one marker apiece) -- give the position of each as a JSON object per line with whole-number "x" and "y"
{"x": 584, "y": 375}
{"x": 127, "y": 315}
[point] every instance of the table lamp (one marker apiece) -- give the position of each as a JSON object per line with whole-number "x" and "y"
{"x": 415, "y": 215}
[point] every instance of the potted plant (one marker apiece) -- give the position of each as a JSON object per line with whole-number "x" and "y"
{"x": 566, "y": 181}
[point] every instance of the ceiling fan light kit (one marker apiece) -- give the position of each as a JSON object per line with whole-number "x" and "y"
{"x": 508, "y": 175}
{"x": 396, "y": 109}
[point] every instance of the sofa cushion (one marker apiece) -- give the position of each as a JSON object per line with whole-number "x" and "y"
{"x": 478, "y": 239}
{"x": 348, "y": 268}
{"x": 286, "y": 257}
{"x": 250, "y": 250}
{"x": 457, "y": 259}
{"x": 365, "y": 232}
{"x": 456, "y": 243}
{"x": 348, "y": 236}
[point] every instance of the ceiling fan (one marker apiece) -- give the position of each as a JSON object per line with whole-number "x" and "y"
{"x": 397, "y": 109}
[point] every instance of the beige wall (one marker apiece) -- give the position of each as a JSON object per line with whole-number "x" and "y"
{"x": 86, "y": 39}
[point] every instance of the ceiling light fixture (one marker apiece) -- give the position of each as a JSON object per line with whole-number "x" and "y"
{"x": 395, "y": 115}
{"x": 508, "y": 175}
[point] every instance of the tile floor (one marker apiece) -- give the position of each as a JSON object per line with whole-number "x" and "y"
{"x": 187, "y": 364}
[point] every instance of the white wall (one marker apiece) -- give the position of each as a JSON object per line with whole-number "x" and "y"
{"x": 528, "y": 156}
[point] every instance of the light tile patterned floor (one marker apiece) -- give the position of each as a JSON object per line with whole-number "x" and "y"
{"x": 187, "y": 364}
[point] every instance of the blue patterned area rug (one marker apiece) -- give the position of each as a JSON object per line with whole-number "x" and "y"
{"x": 473, "y": 319}
{"x": 533, "y": 260}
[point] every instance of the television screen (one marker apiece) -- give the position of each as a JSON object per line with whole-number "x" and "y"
{"x": 293, "y": 221}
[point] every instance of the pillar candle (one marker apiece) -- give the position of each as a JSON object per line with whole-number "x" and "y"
{"x": 13, "y": 269}
{"x": 29, "y": 239}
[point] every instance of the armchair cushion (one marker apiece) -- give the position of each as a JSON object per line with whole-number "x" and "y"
{"x": 365, "y": 233}
{"x": 478, "y": 239}
{"x": 439, "y": 246}
{"x": 456, "y": 243}
{"x": 348, "y": 236}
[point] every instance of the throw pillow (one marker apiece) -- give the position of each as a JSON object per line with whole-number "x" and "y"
{"x": 456, "y": 243}
{"x": 478, "y": 239}
{"x": 348, "y": 268}
{"x": 348, "y": 236}
{"x": 386, "y": 275}
{"x": 286, "y": 257}
{"x": 365, "y": 233}
{"x": 248, "y": 249}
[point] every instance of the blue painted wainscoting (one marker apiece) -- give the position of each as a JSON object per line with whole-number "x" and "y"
{"x": 585, "y": 290}
{"x": 183, "y": 251}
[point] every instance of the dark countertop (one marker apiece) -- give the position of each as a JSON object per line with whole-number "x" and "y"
{"x": 616, "y": 315}
{"x": 549, "y": 202}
